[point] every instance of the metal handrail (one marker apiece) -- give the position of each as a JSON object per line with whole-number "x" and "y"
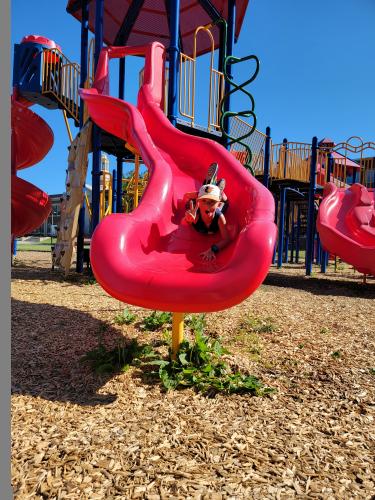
{"x": 61, "y": 78}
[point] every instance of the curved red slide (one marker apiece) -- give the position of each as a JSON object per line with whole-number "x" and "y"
{"x": 346, "y": 225}
{"x": 32, "y": 138}
{"x": 150, "y": 257}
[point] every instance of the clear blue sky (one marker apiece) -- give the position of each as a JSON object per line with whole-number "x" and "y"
{"x": 317, "y": 70}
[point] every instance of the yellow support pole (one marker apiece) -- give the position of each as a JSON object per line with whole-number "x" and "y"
{"x": 67, "y": 126}
{"x": 136, "y": 181}
{"x": 177, "y": 332}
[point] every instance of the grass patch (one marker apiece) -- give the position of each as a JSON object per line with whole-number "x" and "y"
{"x": 251, "y": 342}
{"x": 258, "y": 325}
{"x": 41, "y": 246}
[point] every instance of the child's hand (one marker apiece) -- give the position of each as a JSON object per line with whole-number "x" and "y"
{"x": 208, "y": 255}
{"x": 191, "y": 214}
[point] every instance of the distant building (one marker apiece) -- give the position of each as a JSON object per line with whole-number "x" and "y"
{"x": 49, "y": 226}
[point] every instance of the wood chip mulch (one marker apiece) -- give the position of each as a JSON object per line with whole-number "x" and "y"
{"x": 78, "y": 435}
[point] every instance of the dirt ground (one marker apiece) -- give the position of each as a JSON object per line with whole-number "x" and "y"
{"x": 79, "y": 435}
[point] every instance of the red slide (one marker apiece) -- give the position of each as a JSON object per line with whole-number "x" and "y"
{"x": 32, "y": 138}
{"x": 346, "y": 225}
{"x": 150, "y": 257}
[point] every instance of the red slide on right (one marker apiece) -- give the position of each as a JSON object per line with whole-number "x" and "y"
{"x": 32, "y": 138}
{"x": 346, "y": 225}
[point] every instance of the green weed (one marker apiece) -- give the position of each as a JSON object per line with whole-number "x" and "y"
{"x": 336, "y": 354}
{"x": 118, "y": 359}
{"x": 324, "y": 330}
{"x": 155, "y": 320}
{"x": 196, "y": 322}
{"x": 372, "y": 371}
{"x": 200, "y": 365}
{"x": 258, "y": 325}
{"x": 252, "y": 343}
{"x": 125, "y": 318}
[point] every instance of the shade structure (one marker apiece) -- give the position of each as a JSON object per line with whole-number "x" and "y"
{"x": 151, "y": 21}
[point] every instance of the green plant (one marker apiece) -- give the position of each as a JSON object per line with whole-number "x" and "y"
{"x": 200, "y": 365}
{"x": 336, "y": 354}
{"x": 167, "y": 337}
{"x": 119, "y": 358}
{"x": 125, "y": 318}
{"x": 251, "y": 341}
{"x": 324, "y": 330}
{"x": 196, "y": 322}
{"x": 258, "y": 325}
{"x": 372, "y": 371}
{"x": 155, "y": 320}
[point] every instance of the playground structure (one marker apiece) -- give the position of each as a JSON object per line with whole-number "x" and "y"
{"x": 32, "y": 138}
{"x": 294, "y": 173}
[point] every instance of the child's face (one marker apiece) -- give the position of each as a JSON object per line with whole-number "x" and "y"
{"x": 207, "y": 205}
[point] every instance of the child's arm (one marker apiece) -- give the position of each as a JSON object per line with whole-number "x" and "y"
{"x": 210, "y": 254}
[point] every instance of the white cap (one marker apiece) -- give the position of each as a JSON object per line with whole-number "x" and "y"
{"x": 210, "y": 191}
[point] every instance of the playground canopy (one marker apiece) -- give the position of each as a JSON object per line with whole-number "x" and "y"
{"x": 134, "y": 22}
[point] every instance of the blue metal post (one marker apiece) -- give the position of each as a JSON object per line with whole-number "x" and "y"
{"x": 330, "y": 167}
{"x": 324, "y": 256}
{"x": 354, "y": 175}
{"x": 230, "y": 44}
{"x": 83, "y": 77}
{"x": 281, "y": 228}
{"x": 298, "y": 232}
{"x": 276, "y": 212}
{"x": 267, "y": 149}
{"x": 96, "y": 155}
{"x": 323, "y": 253}
{"x": 174, "y": 53}
{"x": 292, "y": 242}
{"x": 121, "y": 95}
{"x": 318, "y": 249}
{"x": 324, "y": 261}
{"x": 311, "y": 209}
{"x": 114, "y": 191}
{"x": 287, "y": 231}
{"x": 14, "y": 249}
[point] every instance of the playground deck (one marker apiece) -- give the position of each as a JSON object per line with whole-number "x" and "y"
{"x": 76, "y": 435}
